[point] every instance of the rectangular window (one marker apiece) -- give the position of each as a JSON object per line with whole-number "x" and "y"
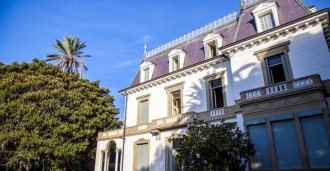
{"x": 216, "y": 94}
{"x": 316, "y": 139}
{"x": 176, "y": 103}
{"x": 175, "y": 63}
{"x": 259, "y": 137}
{"x": 171, "y": 150}
{"x": 276, "y": 69}
{"x": 212, "y": 49}
{"x": 142, "y": 157}
{"x": 286, "y": 142}
{"x": 146, "y": 74}
{"x": 144, "y": 108}
{"x": 267, "y": 21}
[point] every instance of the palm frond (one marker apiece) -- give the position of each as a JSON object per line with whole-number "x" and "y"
{"x": 71, "y": 60}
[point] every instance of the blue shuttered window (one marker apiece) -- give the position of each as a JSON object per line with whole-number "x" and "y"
{"x": 144, "y": 112}
{"x": 259, "y": 137}
{"x": 286, "y": 142}
{"x": 142, "y": 157}
{"x": 316, "y": 140}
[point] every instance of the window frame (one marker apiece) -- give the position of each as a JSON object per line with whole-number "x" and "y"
{"x": 135, "y": 159}
{"x": 149, "y": 67}
{"x": 273, "y": 51}
{"x": 169, "y": 90}
{"x": 208, "y": 80}
{"x": 264, "y": 9}
{"x": 217, "y": 40}
{"x": 178, "y": 54}
{"x": 141, "y": 99}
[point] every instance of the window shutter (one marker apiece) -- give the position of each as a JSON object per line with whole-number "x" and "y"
{"x": 285, "y": 68}
{"x": 258, "y": 136}
{"x": 142, "y": 160}
{"x": 207, "y": 51}
{"x": 170, "y": 157}
{"x": 146, "y": 75}
{"x": 268, "y": 72}
{"x": 144, "y": 112}
{"x": 216, "y": 47}
{"x": 286, "y": 144}
{"x": 316, "y": 139}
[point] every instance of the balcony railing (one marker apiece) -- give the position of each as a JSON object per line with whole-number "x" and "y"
{"x": 174, "y": 120}
{"x": 288, "y": 86}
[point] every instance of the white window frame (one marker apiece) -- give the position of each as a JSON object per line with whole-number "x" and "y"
{"x": 146, "y": 67}
{"x": 180, "y": 55}
{"x": 264, "y": 9}
{"x": 217, "y": 39}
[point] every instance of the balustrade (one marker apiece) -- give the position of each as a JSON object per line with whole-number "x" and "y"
{"x": 276, "y": 88}
{"x": 302, "y": 83}
{"x": 292, "y": 85}
{"x": 217, "y": 112}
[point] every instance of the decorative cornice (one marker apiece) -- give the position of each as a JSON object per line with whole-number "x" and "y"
{"x": 222, "y": 22}
{"x": 143, "y": 96}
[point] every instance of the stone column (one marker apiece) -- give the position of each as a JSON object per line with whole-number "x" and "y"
{"x": 106, "y": 160}
{"x": 100, "y": 161}
{"x": 116, "y": 162}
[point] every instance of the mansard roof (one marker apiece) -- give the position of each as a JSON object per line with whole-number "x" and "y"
{"x": 234, "y": 30}
{"x": 288, "y": 11}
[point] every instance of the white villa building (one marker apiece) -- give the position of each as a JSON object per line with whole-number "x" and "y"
{"x": 266, "y": 67}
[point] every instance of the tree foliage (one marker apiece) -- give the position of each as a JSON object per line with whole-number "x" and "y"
{"x": 49, "y": 120}
{"x": 209, "y": 147}
{"x": 71, "y": 60}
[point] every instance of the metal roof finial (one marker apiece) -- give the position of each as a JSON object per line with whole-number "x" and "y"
{"x": 145, "y": 50}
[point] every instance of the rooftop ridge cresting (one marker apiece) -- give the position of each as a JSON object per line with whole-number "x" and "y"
{"x": 226, "y": 20}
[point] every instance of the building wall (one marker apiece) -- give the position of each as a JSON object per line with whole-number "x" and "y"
{"x": 308, "y": 54}
{"x": 194, "y": 94}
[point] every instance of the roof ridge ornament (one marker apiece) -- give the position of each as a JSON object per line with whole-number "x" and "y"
{"x": 145, "y": 50}
{"x": 221, "y": 22}
{"x": 249, "y": 3}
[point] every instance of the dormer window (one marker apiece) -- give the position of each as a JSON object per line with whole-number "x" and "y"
{"x": 176, "y": 59}
{"x": 212, "y": 43}
{"x": 212, "y": 48}
{"x": 266, "y": 16}
{"x": 146, "y": 74}
{"x": 175, "y": 63}
{"x": 267, "y": 21}
{"x": 146, "y": 70}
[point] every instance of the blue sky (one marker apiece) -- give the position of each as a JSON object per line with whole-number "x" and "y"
{"x": 114, "y": 31}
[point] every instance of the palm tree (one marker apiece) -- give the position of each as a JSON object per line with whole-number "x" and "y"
{"x": 71, "y": 60}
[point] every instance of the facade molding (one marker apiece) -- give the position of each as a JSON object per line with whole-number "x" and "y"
{"x": 174, "y": 75}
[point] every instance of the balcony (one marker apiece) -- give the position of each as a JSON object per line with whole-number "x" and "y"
{"x": 284, "y": 88}
{"x": 173, "y": 121}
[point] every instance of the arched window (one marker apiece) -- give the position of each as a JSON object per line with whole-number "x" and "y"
{"x": 111, "y": 157}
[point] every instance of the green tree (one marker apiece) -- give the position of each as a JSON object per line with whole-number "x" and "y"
{"x": 71, "y": 59}
{"x": 208, "y": 147}
{"x": 50, "y": 120}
